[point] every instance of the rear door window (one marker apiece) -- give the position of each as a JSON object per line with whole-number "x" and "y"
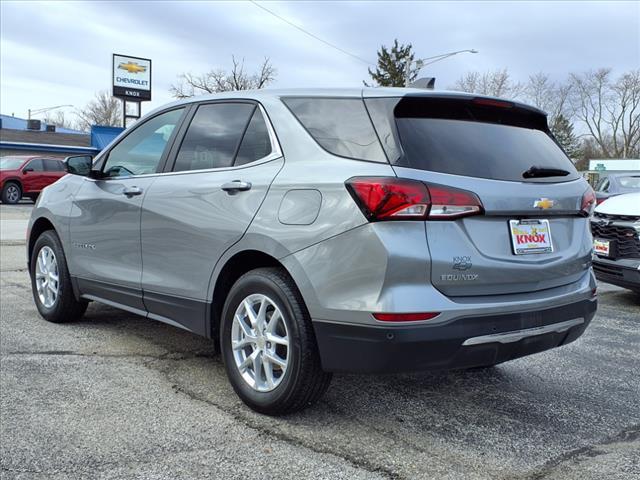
{"x": 459, "y": 138}
{"x": 53, "y": 165}
{"x": 213, "y": 137}
{"x": 340, "y": 125}
{"x": 256, "y": 143}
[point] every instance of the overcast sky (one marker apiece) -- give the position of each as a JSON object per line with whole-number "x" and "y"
{"x": 60, "y": 53}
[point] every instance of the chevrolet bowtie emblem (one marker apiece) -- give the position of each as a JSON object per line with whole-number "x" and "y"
{"x": 543, "y": 203}
{"x": 132, "y": 67}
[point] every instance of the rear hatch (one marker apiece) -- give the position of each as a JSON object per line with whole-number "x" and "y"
{"x": 531, "y": 232}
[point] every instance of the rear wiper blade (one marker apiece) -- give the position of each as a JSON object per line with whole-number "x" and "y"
{"x": 538, "y": 172}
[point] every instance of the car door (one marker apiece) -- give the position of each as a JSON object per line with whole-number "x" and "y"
{"x": 222, "y": 169}
{"x": 33, "y": 176}
{"x": 105, "y": 217}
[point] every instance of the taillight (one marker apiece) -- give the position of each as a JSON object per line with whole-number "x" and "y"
{"x": 390, "y": 198}
{"x": 405, "y": 317}
{"x": 588, "y": 202}
{"x": 448, "y": 202}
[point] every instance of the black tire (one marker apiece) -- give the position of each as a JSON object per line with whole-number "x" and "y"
{"x": 66, "y": 308}
{"x": 9, "y": 195}
{"x": 34, "y": 197}
{"x": 304, "y": 381}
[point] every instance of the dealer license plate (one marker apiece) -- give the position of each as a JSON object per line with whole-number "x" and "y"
{"x": 530, "y": 236}
{"x": 601, "y": 247}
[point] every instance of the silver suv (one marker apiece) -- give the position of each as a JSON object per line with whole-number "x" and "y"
{"x": 309, "y": 232}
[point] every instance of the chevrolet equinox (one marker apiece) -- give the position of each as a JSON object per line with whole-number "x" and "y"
{"x": 310, "y": 232}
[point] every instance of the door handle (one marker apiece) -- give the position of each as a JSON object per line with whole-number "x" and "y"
{"x": 132, "y": 191}
{"x": 236, "y": 186}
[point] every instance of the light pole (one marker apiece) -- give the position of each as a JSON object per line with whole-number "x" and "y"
{"x": 37, "y": 111}
{"x": 423, "y": 62}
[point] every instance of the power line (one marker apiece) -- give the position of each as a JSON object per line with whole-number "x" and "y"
{"x": 311, "y": 34}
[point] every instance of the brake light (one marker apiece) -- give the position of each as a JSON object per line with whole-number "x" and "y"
{"x": 490, "y": 102}
{"x": 390, "y": 198}
{"x": 405, "y": 317}
{"x": 588, "y": 202}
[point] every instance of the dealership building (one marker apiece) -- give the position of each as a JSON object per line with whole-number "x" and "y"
{"x": 19, "y": 136}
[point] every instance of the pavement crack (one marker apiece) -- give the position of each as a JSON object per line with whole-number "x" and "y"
{"x": 627, "y": 435}
{"x": 237, "y": 415}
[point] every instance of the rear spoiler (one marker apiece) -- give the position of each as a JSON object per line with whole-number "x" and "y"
{"x": 473, "y": 109}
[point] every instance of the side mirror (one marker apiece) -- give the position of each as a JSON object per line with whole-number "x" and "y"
{"x": 79, "y": 165}
{"x": 27, "y": 170}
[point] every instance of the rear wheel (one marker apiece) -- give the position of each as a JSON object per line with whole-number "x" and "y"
{"x": 11, "y": 193}
{"x": 268, "y": 345}
{"x": 51, "y": 283}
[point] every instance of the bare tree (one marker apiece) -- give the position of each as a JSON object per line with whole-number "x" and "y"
{"x": 610, "y": 110}
{"x": 58, "y": 119}
{"x": 496, "y": 83}
{"x": 102, "y": 110}
{"x": 549, "y": 96}
{"x": 223, "y": 81}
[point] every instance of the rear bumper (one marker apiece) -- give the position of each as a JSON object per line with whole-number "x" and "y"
{"x": 622, "y": 272}
{"x": 462, "y": 343}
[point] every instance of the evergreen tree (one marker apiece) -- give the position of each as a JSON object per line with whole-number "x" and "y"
{"x": 392, "y": 64}
{"x": 562, "y": 129}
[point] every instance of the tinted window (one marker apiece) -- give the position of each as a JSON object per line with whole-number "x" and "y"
{"x": 213, "y": 136}
{"x": 36, "y": 165}
{"x": 53, "y": 165}
{"x": 140, "y": 152}
{"x": 460, "y": 138}
{"x": 256, "y": 143}
{"x": 340, "y": 125}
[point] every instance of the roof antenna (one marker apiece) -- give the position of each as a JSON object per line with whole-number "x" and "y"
{"x": 424, "y": 82}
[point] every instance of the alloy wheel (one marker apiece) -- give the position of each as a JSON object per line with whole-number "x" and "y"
{"x": 260, "y": 342}
{"x": 47, "y": 277}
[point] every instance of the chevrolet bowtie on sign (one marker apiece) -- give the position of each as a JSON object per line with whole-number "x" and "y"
{"x": 131, "y": 78}
{"x": 132, "y": 67}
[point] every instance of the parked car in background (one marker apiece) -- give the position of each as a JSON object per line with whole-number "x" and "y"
{"x": 308, "y": 232}
{"x": 616, "y": 241}
{"x": 616, "y": 184}
{"x": 26, "y": 176}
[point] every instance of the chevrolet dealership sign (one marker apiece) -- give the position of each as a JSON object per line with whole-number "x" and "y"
{"x": 131, "y": 77}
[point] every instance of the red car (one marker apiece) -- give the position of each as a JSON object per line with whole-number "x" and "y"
{"x": 26, "y": 176}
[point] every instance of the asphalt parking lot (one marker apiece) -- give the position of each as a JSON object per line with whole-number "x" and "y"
{"x": 118, "y": 396}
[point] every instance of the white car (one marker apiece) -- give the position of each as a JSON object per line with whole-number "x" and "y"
{"x": 616, "y": 241}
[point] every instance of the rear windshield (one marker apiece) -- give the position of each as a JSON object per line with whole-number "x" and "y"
{"x": 632, "y": 183}
{"x": 456, "y": 138}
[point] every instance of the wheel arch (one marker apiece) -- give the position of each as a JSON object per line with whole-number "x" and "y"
{"x": 237, "y": 265}
{"x": 39, "y": 226}
{"x": 16, "y": 180}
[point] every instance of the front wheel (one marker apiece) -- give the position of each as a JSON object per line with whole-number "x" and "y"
{"x": 51, "y": 283}
{"x": 268, "y": 345}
